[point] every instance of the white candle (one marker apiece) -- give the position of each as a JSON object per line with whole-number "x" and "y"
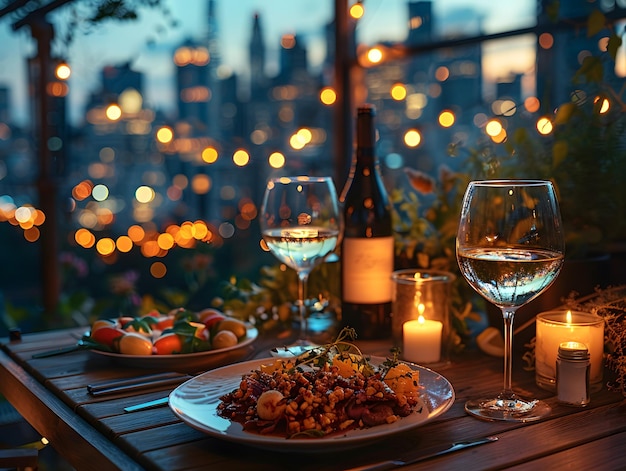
{"x": 422, "y": 340}
{"x": 556, "y": 327}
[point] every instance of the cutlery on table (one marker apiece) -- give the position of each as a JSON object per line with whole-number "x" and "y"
{"x": 80, "y": 345}
{"x": 136, "y": 383}
{"x": 392, "y": 464}
{"x": 162, "y": 401}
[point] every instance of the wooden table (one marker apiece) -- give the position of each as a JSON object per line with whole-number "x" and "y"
{"x": 94, "y": 433}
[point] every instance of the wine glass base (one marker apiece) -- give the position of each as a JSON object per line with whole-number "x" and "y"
{"x": 507, "y": 409}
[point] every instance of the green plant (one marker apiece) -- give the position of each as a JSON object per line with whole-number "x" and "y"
{"x": 581, "y": 148}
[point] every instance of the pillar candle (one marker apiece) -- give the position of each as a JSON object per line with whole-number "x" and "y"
{"x": 422, "y": 340}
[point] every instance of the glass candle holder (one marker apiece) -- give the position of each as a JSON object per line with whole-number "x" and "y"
{"x": 556, "y": 327}
{"x": 420, "y": 319}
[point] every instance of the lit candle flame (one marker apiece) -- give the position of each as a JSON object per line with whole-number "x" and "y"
{"x": 568, "y": 319}
{"x": 420, "y": 310}
{"x": 421, "y": 319}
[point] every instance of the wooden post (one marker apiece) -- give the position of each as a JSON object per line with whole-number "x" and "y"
{"x": 47, "y": 185}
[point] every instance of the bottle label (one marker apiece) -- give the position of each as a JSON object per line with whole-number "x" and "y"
{"x": 368, "y": 264}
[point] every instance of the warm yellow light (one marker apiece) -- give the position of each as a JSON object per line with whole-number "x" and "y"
{"x": 375, "y": 55}
{"x": 296, "y": 142}
{"x": 248, "y": 209}
{"x": 201, "y": 184}
{"x": 105, "y": 216}
{"x": 199, "y": 230}
{"x": 136, "y": 233}
{"x": 32, "y": 234}
{"x": 63, "y": 71}
{"x": 546, "y": 40}
{"x": 39, "y": 217}
{"x": 241, "y": 158}
{"x": 209, "y": 155}
{"x": 604, "y": 106}
{"x": 442, "y": 73}
{"x": 105, "y": 246}
{"x": 23, "y": 214}
{"x": 165, "y": 135}
{"x": 165, "y": 241}
{"x": 150, "y": 249}
{"x": 144, "y": 194}
{"x": 446, "y": 118}
{"x": 113, "y": 112}
{"x": 412, "y": 138}
{"x": 84, "y": 238}
{"x": 131, "y": 101}
{"x": 357, "y": 11}
{"x": 493, "y": 127}
{"x": 82, "y": 190}
{"x": 158, "y": 269}
{"x": 532, "y": 104}
{"x": 398, "y": 92}
{"x": 276, "y": 160}
{"x": 305, "y": 135}
{"x": 544, "y": 126}
{"x": 328, "y": 96}
{"x": 500, "y": 138}
{"x": 124, "y": 244}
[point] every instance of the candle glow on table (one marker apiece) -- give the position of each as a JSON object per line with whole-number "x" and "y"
{"x": 422, "y": 340}
{"x": 556, "y": 327}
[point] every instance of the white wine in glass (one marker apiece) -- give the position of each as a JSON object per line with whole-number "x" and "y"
{"x": 510, "y": 248}
{"x": 301, "y": 225}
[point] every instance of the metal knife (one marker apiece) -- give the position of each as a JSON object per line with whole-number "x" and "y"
{"x": 162, "y": 401}
{"x": 392, "y": 464}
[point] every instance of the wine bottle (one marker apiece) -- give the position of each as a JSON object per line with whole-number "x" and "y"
{"x": 367, "y": 248}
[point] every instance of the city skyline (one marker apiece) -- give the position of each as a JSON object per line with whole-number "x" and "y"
{"x": 114, "y": 44}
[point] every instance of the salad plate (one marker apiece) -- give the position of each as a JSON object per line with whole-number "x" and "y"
{"x": 187, "y": 362}
{"x": 196, "y": 402}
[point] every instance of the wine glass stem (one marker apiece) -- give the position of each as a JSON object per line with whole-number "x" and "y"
{"x": 303, "y": 277}
{"x": 508, "y": 314}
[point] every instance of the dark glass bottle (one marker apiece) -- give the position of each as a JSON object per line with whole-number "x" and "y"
{"x": 367, "y": 247}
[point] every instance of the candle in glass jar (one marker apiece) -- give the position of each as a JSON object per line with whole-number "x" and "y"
{"x": 556, "y": 327}
{"x": 422, "y": 340}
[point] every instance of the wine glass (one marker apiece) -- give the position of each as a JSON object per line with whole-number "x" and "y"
{"x": 301, "y": 225}
{"x": 510, "y": 248}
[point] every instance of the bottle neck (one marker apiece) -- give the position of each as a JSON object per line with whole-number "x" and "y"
{"x": 365, "y": 131}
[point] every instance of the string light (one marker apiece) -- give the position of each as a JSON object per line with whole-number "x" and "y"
{"x": 357, "y": 10}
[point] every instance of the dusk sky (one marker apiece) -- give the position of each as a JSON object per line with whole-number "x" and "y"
{"x": 115, "y": 44}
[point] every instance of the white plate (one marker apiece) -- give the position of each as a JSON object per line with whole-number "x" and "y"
{"x": 196, "y": 401}
{"x": 187, "y": 362}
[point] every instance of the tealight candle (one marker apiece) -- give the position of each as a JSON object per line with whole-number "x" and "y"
{"x": 422, "y": 340}
{"x": 426, "y": 294}
{"x": 556, "y": 327}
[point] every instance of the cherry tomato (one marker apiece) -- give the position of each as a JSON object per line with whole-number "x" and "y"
{"x": 134, "y": 344}
{"x": 168, "y": 344}
{"x": 102, "y": 323}
{"x": 107, "y": 335}
{"x": 153, "y": 313}
{"x": 122, "y": 321}
{"x": 164, "y": 323}
{"x": 210, "y": 317}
